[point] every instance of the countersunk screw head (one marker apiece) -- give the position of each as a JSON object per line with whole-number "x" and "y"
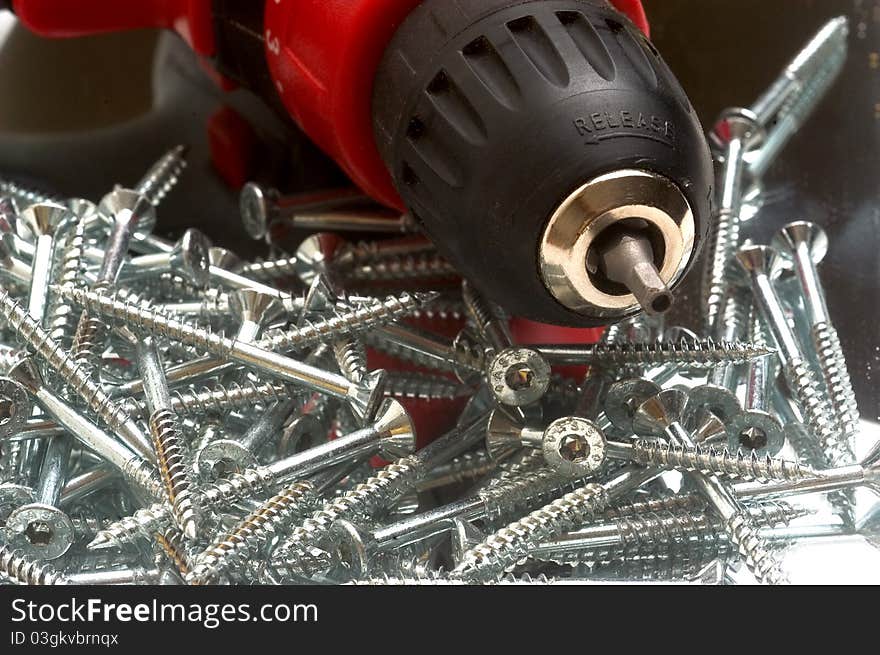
{"x": 659, "y": 412}
{"x": 503, "y": 434}
{"x": 574, "y": 446}
{"x": 720, "y": 401}
{"x": 127, "y": 205}
{"x": 254, "y": 204}
{"x": 792, "y": 235}
{"x": 41, "y": 219}
{"x": 624, "y": 398}
{"x": 739, "y": 123}
{"x": 760, "y": 260}
{"x": 755, "y": 430}
{"x": 518, "y": 376}
{"x": 190, "y": 257}
{"x": 220, "y": 458}
{"x": 42, "y": 531}
{"x": 313, "y": 255}
{"x": 15, "y": 406}
{"x": 256, "y": 306}
{"x": 395, "y": 428}
{"x": 223, "y": 258}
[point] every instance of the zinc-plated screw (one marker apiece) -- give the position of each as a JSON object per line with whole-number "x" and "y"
{"x": 804, "y": 243}
{"x": 809, "y": 62}
{"x": 136, "y": 469}
{"x": 167, "y": 440}
{"x": 738, "y": 131}
{"x": 656, "y": 533}
{"x": 576, "y": 446}
{"x": 249, "y": 536}
{"x": 75, "y": 376}
{"x": 379, "y": 491}
{"x": 660, "y": 416}
{"x": 488, "y": 318}
{"x": 363, "y": 253}
{"x": 41, "y": 224}
{"x": 409, "y": 268}
{"x": 489, "y": 559}
{"x": 22, "y": 568}
{"x": 690, "y": 352}
{"x": 420, "y": 347}
{"x": 332, "y": 211}
{"x": 362, "y": 398}
{"x": 758, "y": 261}
{"x": 391, "y": 435}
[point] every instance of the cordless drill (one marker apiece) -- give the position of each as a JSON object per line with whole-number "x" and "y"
{"x": 543, "y": 145}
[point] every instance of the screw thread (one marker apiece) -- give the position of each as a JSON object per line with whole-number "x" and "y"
{"x": 351, "y": 356}
{"x": 821, "y": 423}
{"x": 463, "y": 355}
{"x": 217, "y": 399}
{"x": 693, "y": 352}
{"x": 61, "y": 317}
{"x": 758, "y": 555}
{"x": 444, "y": 309}
{"x": 171, "y": 542}
{"x": 524, "y": 492}
{"x": 359, "y": 318}
{"x": 252, "y": 533}
{"x": 665, "y": 503}
{"x": 708, "y": 460}
{"x": 422, "y": 386}
{"x": 506, "y": 546}
{"x": 150, "y": 321}
{"x": 175, "y": 473}
{"x": 378, "y": 491}
{"x": 143, "y": 523}
{"x": 27, "y": 195}
{"x": 144, "y": 476}
{"x": 362, "y": 253}
{"x": 163, "y": 175}
{"x": 464, "y": 468}
{"x": 426, "y": 266}
{"x": 721, "y": 245}
{"x": 74, "y": 374}
{"x": 91, "y": 335}
{"x": 667, "y": 533}
{"x": 837, "y": 380}
{"x": 23, "y": 569}
{"x": 265, "y": 270}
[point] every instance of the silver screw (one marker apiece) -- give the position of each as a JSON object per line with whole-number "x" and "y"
{"x": 804, "y": 244}
{"x": 659, "y": 416}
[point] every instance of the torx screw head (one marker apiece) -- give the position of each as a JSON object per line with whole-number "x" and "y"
{"x": 756, "y": 430}
{"x": 254, "y": 204}
{"x": 43, "y": 531}
{"x": 624, "y": 398}
{"x": 518, "y": 376}
{"x": 574, "y": 446}
{"x": 221, "y": 458}
{"x": 659, "y": 412}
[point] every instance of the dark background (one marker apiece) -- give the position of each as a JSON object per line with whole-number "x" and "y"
{"x": 79, "y": 115}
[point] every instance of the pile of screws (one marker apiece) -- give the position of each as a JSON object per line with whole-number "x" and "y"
{"x": 171, "y": 414}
